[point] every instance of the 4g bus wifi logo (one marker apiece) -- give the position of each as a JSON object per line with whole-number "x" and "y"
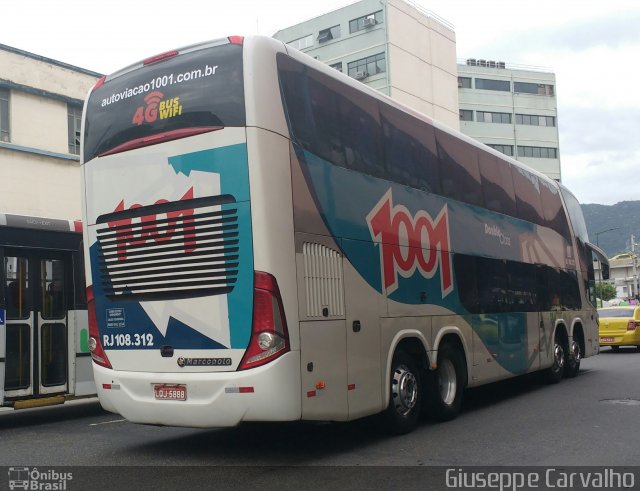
{"x": 425, "y": 243}
{"x": 157, "y": 107}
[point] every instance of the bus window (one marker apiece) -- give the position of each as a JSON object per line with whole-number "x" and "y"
{"x": 294, "y": 87}
{"x": 324, "y": 102}
{"x": 459, "y": 169}
{"x": 409, "y": 150}
{"x": 497, "y": 184}
{"x": 360, "y": 127}
{"x": 178, "y": 97}
{"x": 528, "y": 197}
{"x": 17, "y": 287}
{"x": 554, "y": 214}
{"x": 52, "y": 288}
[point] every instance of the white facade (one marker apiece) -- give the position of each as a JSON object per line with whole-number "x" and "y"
{"x": 39, "y": 157}
{"x": 512, "y": 109}
{"x": 391, "y": 45}
{"x": 623, "y": 274}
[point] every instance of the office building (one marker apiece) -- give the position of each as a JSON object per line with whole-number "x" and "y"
{"x": 513, "y": 110}
{"x": 393, "y": 46}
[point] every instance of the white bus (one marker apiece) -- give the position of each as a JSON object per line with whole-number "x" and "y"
{"x": 44, "y": 335}
{"x": 268, "y": 239}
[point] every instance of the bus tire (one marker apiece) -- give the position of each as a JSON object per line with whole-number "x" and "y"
{"x": 405, "y": 395}
{"x": 446, "y": 383}
{"x": 555, "y": 372}
{"x": 573, "y": 360}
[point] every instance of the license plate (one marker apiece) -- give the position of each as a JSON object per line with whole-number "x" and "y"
{"x": 606, "y": 340}
{"x": 170, "y": 392}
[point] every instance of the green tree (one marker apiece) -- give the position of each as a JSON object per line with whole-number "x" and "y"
{"x": 605, "y": 291}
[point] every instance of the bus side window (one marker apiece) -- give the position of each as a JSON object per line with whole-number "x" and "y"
{"x": 328, "y": 139}
{"x": 362, "y": 132}
{"x": 497, "y": 184}
{"x": 17, "y": 296}
{"x": 409, "y": 150}
{"x": 459, "y": 169}
{"x": 528, "y": 198}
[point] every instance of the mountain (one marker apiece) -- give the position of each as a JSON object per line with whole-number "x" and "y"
{"x": 623, "y": 216}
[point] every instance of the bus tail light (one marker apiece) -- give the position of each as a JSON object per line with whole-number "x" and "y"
{"x": 95, "y": 346}
{"x": 160, "y": 57}
{"x": 269, "y": 334}
{"x": 632, "y": 326}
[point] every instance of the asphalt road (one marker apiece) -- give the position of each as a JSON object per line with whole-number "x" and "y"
{"x": 591, "y": 420}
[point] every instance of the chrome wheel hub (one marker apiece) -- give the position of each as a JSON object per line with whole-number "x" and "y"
{"x": 447, "y": 381}
{"x": 558, "y": 355}
{"x": 404, "y": 390}
{"x": 576, "y": 353}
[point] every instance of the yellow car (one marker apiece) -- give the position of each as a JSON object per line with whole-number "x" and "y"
{"x": 620, "y": 326}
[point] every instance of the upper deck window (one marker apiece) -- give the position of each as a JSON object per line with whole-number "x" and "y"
{"x": 198, "y": 89}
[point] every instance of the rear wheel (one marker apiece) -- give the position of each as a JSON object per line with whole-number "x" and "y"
{"x": 405, "y": 396}
{"x": 446, "y": 383}
{"x": 554, "y": 372}
{"x": 573, "y": 362}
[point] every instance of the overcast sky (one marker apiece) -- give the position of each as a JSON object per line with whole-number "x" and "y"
{"x": 592, "y": 46}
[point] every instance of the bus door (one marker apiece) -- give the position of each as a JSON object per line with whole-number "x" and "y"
{"x": 36, "y": 292}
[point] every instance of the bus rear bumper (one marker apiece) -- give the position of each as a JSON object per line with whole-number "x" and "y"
{"x": 221, "y": 399}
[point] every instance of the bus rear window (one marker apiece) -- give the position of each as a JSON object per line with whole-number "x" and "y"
{"x": 198, "y": 89}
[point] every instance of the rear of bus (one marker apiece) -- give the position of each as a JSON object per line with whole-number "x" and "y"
{"x": 188, "y": 237}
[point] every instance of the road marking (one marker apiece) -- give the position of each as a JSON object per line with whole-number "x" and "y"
{"x": 107, "y": 422}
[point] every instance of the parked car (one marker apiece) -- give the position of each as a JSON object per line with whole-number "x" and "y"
{"x": 620, "y": 326}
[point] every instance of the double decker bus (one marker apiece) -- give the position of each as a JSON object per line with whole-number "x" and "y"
{"x": 268, "y": 239}
{"x": 44, "y": 335}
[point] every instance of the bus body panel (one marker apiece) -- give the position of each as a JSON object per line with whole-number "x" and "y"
{"x": 207, "y": 333}
{"x": 272, "y": 217}
{"x": 268, "y": 393}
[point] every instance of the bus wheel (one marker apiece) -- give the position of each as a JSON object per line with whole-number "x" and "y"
{"x": 573, "y": 362}
{"x": 446, "y": 384}
{"x": 403, "y": 412}
{"x": 554, "y": 372}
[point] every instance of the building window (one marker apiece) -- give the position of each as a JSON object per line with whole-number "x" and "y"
{"x": 487, "y": 117}
{"x": 488, "y": 84}
{"x": 336, "y": 66}
{"x": 329, "y": 34}
{"x": 505, "y": 149}
{"x": 464, "y": 82}
{"x": 74, "y": 117}
{"x": 529, "y": 88}
{"x": 535, "y": 120}
{"x": 367, "y": 66}
{"x": 4, "y": 115}
{"x": 365, "y": 21}
{"x": 466, "y": 115}
{"x": 538, "y": 152}
{"x": 302, "y": 43}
